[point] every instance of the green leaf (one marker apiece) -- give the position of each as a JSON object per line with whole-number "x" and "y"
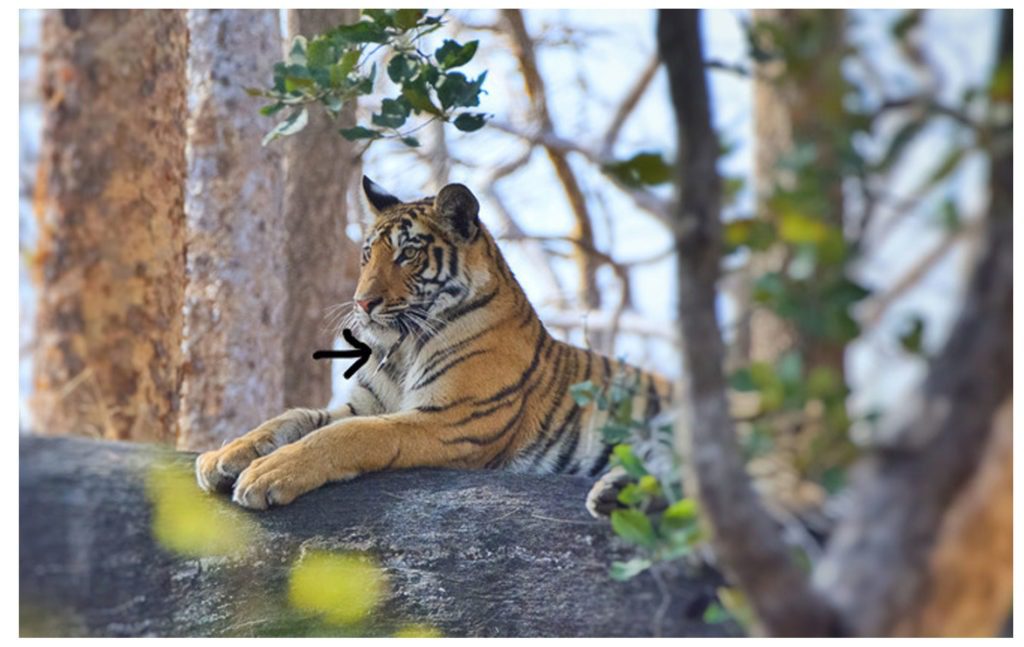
{"x": 419, "y": 99}
{"x": 912, "y": 336}
{"x": 683, "y": 510}
{"x": 267, "y": 111}
{"x": 755, "y": 233}
{"x": 393, "y": 113}
{"x": 647, "y": 168}
{"x": 583, "y": 392}
{"x": 799, "y": 228}
{"x": 401, "y": 68}
{"x": 950, "y": 216}
{"x": 451, "y": 54}
{"x": 906, "y": 23}
{"x": 947, "y": 166}
{"x": 614, "y": 433}
{"x": 359, "y": 132}
{"x": 411, "y": 142}
{"x": 406, "y": 19}
{"x": 790, "y": 368}
{"x": 297, "y": 52}
{"x": 340, "y": 71}
{"x": 470, "y": 121}
{"x": 633, "y": 526}
{"x": 648, "y": 484}
{"x": 383, "y": 17}
{"x": 623, "y": 455}
{"x": 631, "y": 495}
{"x": 293, "y": 124}
{"x": 903, "y": 137}
{"x": 320, "y": 53}
{"x": 455, "y": 90}
{"x": 715, "y": 614}
{"x": 742, "y": 381}
{"x": 364, "y": 31}
{"x": 622, "y": 571}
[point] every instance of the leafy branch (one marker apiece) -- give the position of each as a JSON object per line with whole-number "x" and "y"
{"x": 338, "y": 66}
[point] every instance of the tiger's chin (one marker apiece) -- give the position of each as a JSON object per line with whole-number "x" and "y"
{"x": 376, "y": 333}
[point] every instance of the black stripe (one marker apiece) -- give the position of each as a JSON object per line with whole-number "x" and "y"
{"x": 534, "y": 362}
{"x": 563, "y": 457}
{"x": 653, "y": 407}
{"x": 424, "y": 381}
{"x": 554, "y": 433}
{"x": 461, "y": 311}
{"x": 602, "y": 460}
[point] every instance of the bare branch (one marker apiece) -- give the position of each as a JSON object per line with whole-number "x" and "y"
{"x": 645, "y": 200}
{"x": 877, "y": 306}
{"x": 582, "y": 229}
{"x": 629, "y": 103}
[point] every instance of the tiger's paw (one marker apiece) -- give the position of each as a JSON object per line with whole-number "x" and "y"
{"x": 217, "y": 470}
{"x": 278, "y": 478}
{"x": 603, "y": 497}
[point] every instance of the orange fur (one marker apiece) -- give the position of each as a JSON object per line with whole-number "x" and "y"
{"x": 463, "y": 373}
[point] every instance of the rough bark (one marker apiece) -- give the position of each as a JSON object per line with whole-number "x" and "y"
{"x": 883, "y": 570}
{"x": 971, "y": 568}
{"x": 470, "y": 553}
{"x": 322, "y": 264}
{"x": 234, "y": 343}
{"x": 744, "y": 536}
{"x": 111, "y": 225}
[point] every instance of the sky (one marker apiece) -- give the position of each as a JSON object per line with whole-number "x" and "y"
{"x": 585, "y": 82}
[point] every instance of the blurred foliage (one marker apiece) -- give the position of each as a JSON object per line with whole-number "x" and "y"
{"x": 654, "y": 515}
{"x": 191, "y": 523}
{"x": 341, "y": 588}
{"x": 338, "y": 66}
{"x": 418, "y": 631}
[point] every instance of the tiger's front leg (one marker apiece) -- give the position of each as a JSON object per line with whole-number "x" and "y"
{"x": 218, "y": 469}
{"x": 344, "y": 450}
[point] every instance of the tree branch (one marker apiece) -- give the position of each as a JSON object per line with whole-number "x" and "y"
{"x": 629, "y": 103}
{"x": 582, "y": 230}
{"x": 645, "y": 200}
{"x": 877, "y": 566}
{"x": 745, "y": 538}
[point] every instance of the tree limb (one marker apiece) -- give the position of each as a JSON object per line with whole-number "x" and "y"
{"x": 745, "y": 538}
{"x": 629, "y": 103}
{"x": 876, "y": 569}
{"x": 645, "y": 200}
{"x": 582, "y": 229}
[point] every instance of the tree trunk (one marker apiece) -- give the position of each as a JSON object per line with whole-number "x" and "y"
{"x": 111, "y": 225}
{"x": 927, "y": 545}
{"x": 745, "y": 538}
{"x": 322, "y": 263}
{"x": 794, "y": 108}
{"x": 471, "y": 553}
{"x": 234, "y": 297}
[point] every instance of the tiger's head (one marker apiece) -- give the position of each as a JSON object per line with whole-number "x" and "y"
{"x": 419, "y": 260}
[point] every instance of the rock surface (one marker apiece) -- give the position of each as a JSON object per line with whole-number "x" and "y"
{"x": 465, "y": 553}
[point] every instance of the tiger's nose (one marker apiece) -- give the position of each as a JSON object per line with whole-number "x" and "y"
{"x": 369, "y": 304}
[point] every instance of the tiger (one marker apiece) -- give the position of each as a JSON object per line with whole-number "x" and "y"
{"x": 462, "y": 373}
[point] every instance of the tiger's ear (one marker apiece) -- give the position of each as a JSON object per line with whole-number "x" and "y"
{"x": 379, "y": 198}
{"x": 458, "y": 210}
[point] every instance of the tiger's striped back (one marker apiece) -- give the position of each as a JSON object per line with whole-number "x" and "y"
{"x": 456, "y": 339}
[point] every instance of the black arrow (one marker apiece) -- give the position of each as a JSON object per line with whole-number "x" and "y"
{"x": 360, "y": 351}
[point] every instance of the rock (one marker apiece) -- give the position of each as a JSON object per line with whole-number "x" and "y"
{"x": 463, "y": 553}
